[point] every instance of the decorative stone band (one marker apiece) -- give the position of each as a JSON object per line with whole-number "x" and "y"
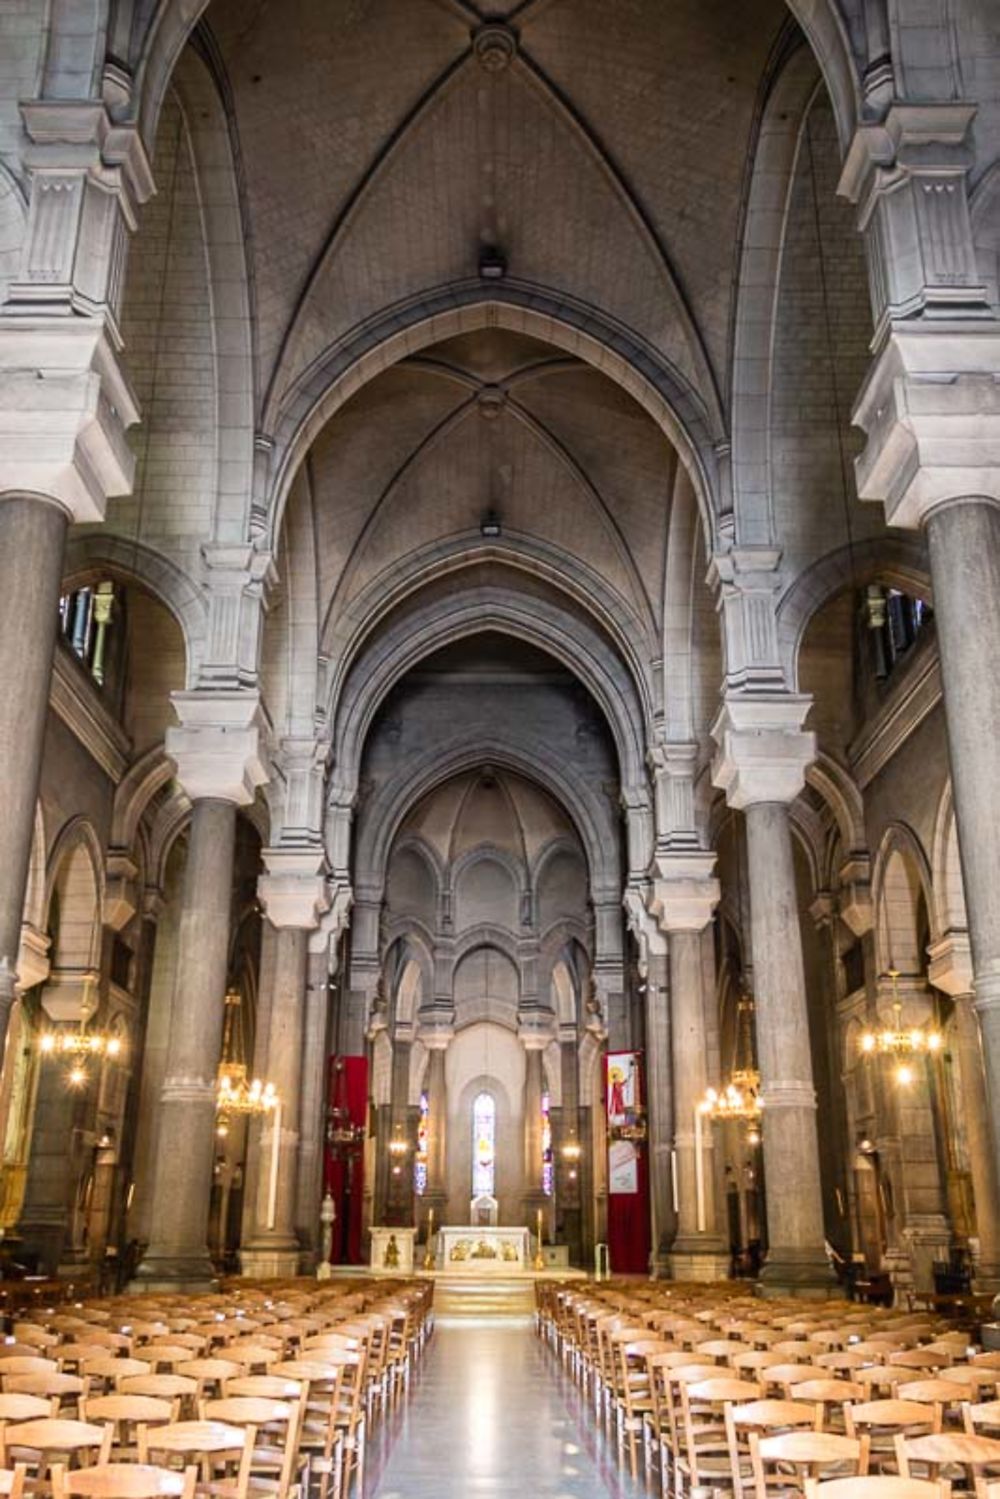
{"x": 763, "y": 749}
{"x": 189, "y": 1090}
{"x": 220, "y": 747}
{"x": 987, "y": 1001}
{"x": 791, "y": 1093}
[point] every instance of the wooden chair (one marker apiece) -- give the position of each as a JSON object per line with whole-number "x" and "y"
{"x": 12, "y": 1481}
{"x": 275, "y": 1448}
{"x": 883, "y": 1420}
{"x": 125, "y": 1414}
{"x": 179, "y": 1388}
{"x": 942, "y": 1452}
{"x": 210, "y": 1374}
{"x": 122, "y": 1481}
{"x": 831, "y": 1395}
{"x": 803, "y": 1454}
{"x": 703, "y": 1450}
{"x": 985, "y": 1414}
{"x": 782, "y": 1377}
{"x": 39, "y": 1443}
{"x": 103, "y": 1374}
{"x": 766, "y": 1417}
{"x": 944, "y": 1393}
{"x": 25, "y": 1408}
{"x": 222, "y": 1453}
{"x": 888, "y": 1486}
{"x": 27, "y": 1364}
{"x": 61, "y": 1390}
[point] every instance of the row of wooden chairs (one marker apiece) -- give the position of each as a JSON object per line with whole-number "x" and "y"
{"x": 253, "y": 1392}
{"x": 740, "y": 1397}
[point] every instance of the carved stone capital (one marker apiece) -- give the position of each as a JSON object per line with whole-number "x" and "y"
{"x": 930, "y": 411}
{"x": 293, "y": 891}
{"x": 220, "y": 746}
{"x": 65, "y": 406}
{"x": 763, "y": 750}
{"x": 685, "y": 892}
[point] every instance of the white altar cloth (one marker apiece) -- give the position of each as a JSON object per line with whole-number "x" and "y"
{"x": 483, "y": 1250}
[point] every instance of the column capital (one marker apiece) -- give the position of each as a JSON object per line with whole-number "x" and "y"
{"x": 930, "y": 410}
{"x": 950, "y": 967}
{"x": 65, "y": 406}
{"x": 293, "y": 891}
{"x": 673, "y": 765}
{"x": 685, "y": 892}
{"x": 763, "y": 749}
{"x": 643, "y": 925}
{"x": 333, "y": 921}
{"x": 220, "y": 746}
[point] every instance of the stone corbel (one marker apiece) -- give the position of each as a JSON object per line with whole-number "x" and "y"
{"x": 673, "y": 766}
{"x": 297, "y": 791}
{"x": 220, "y": 746}
{"x": 121, "y": 889}
{"x": 855, "y": 904}
{"x": 34, "y": 959}
{"x": 68, "y": 993}
{"x": 763, "y": 749}
{"x": 950, "y": 967}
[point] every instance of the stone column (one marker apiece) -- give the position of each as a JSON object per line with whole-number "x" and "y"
{"x": 293, "y": 894}
{"x": 177, "y": 1255}
{"x": 659, "y": 1108}
{"x": 32, "y": 541}
{"x": 685, "y": 894}
{"x": 219, "y": 754}
{"x": 951, "y": 971}
{"x": 437, "y": 1124}
{"x": 312, "y": 1114}
{"x": 534, "y": 1086}
{"x": 761, "y": 763}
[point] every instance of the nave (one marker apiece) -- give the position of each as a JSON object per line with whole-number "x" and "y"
{"x": 493, "y": 1416}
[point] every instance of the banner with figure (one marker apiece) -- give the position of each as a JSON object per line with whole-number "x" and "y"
{"x": 628, "y": 1176}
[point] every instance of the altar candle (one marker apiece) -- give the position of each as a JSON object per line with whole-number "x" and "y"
{"x": 539, "y": 1229}
{"x": 430, "y": 1223}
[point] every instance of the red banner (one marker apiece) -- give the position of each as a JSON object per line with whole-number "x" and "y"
{"x": 628, "y": 1165}
{"x": 347, "y": 1093}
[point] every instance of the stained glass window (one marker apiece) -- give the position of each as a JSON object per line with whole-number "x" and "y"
{"x": 484, "y": 1133}
{"x": 420, "y": 1159}
{"x": 548, "y": 1171}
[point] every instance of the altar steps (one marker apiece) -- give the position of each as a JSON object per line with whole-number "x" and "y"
{"x": 462, "y": 1296}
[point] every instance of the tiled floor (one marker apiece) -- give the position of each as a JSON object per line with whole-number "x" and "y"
{"x": 491, "y": 1415}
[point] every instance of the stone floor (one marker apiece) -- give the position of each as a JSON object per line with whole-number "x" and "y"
{"x": 492, "y": 1415}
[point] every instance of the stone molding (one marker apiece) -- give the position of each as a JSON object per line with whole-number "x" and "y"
{"x": 930, "y": 411}
{"x": 293, "y": 890}
{"x": 788, "y": 1093}
{"x": 910, "y": 700}
{"x": 763, "y": 750}
{"x": 220, "y": 746}
{"x": 747, "y": 583}
{"x": 74, "y": 699}
{"x": 332, "y": 922}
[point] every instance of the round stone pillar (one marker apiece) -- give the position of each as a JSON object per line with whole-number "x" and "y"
{"x": 177, "y": 1255}
{"x": 964, "y": 544}
{"x": 32, "y": 544}
{"x": 761, "y": 763}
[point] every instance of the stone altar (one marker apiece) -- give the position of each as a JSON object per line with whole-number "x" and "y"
{"x": 483, "y": 1250}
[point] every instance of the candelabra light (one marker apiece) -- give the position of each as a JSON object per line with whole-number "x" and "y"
{"x": 235, "y": 1091}
{"x": 80, "y": 1045}
{"x": 901, "y": 1041}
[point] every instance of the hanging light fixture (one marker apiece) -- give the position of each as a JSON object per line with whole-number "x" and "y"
{"x": 902, "y": 1042}
{"x": 739, "y": 1097}
{"x": 235, "y": 1092}
{"x": 81, "y": 1044}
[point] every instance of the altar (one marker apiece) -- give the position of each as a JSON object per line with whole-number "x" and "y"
{"x": 483, "y": 1250}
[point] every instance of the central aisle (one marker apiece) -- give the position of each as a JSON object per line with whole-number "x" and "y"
{"x": 491, "y": 1414}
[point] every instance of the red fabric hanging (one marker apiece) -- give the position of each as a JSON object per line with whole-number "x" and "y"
{"x": 628, "y": 1164}
{"x": 347, "y": 1089}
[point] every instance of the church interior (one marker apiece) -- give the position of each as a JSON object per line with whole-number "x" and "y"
{"x": 500, "y": 743}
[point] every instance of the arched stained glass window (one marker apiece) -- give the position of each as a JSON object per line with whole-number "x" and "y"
{"x": 484, "y": 1135}
{"x": 421, "y": 1157}
{"x": 548, "y": 1159}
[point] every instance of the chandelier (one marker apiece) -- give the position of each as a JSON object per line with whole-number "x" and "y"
{"x": 901, "y": 1041}
{"x": 235, "y": 1091}
{"x": 78, "y": 1046}
{"x": 739, "y": 1097}
{"x": 342, "y": 1134}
